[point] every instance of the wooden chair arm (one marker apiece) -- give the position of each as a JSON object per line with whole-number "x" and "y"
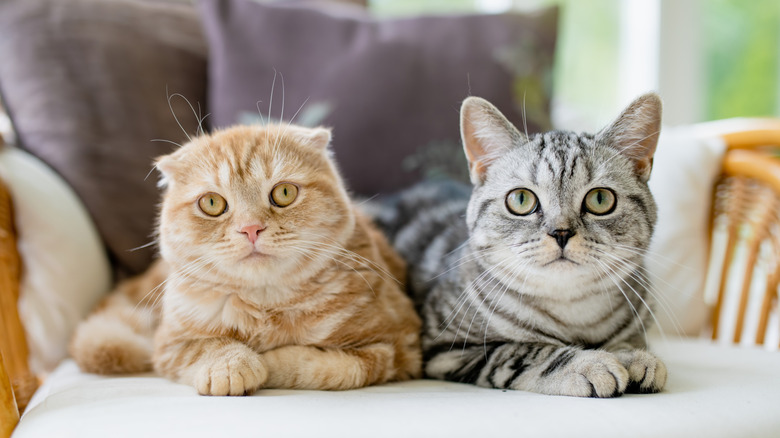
{"x": 753, "y": 165}
{"x": 9, "y": 412}
{"x": 743, "y": 133}
{"x": 13, "y": 344}
{"x": 746, "y": 202}
{"x": 752, "y": 139}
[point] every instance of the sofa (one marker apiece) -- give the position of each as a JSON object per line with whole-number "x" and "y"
{"x": 95, "y": 89}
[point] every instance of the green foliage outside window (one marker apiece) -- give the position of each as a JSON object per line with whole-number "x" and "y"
{"x": 742, "y": 45}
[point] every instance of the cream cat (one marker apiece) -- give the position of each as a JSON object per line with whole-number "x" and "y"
{"x": 272, "y": 277}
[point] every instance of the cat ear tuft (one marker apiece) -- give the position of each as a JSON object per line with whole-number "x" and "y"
{"x": 635, "y": 132}
{"x": 486, "y": 135}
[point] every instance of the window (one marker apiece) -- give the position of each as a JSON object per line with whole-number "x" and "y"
{"x": 709, "y": 59}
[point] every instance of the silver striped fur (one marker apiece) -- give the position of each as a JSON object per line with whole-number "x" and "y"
{"x": 504, "y": 304}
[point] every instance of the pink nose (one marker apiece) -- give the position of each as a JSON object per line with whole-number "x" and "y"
{"x": 252, "y": 232}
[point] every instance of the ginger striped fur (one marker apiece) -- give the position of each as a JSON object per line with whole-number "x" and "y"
{"x": 307, "y": 295}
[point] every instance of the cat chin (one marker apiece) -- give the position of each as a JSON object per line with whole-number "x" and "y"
{"x": 555, "y": 280}
{"x": 566, "y": 269}
{"x": 561, "y": 263}
{"x": 256, "y": 257}
{"x": 268, "y": 269}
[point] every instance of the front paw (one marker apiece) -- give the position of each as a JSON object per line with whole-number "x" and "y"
{"x": 647, "y": 373}
{"x": 239, "y": 371}
{"x": 583, "y": 373}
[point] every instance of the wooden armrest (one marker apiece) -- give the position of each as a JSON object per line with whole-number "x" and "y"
{"x": 753, "y": 165}
{"x": 9, "y": 412}
{"x": 743, "y": 133}
{"x": 13, "y": 345}
{"x": 746, "y": 204}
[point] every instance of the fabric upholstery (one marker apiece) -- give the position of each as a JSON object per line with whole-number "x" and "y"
{"x": 712, "y": 391}
{"x": 685, "y": 167}
{"x": 86, "y": 85}
{"x": 391, "y": 89}
{"x": 66, "y": 269}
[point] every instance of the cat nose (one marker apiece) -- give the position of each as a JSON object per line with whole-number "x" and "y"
{"x": 562, "y": 236}
{"x": 252, "y": 232}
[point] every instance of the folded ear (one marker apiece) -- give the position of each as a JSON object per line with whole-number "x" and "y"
{"x": 319, "y": 137}
{"x": 635, "y": 132}
{"x": 169, "y": 166}
{"x": 486, "y": 135}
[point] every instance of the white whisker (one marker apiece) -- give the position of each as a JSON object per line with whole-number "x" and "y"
{"x": 146, "y": 245}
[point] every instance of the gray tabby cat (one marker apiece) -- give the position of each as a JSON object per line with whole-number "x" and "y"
{"x": 534, "y": 280}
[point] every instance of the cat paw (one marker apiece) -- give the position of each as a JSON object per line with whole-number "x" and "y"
{"x": 239, "y": 372}
{"x": 647, "y": 374}
{"x": 584, "y": 373}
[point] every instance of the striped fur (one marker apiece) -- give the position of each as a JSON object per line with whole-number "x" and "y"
{"x": 258, "y": 295}
{"x": 504, "y": 304}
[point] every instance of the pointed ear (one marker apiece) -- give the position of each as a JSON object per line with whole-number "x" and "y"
{"x": 318, "y": 138}
{"x": 635, "y": 133}
{"x": 486, "y": 134}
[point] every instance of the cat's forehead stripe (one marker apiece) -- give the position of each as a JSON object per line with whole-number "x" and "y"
{"x": 561, "y": 157}
{"x": 254, "y": 161}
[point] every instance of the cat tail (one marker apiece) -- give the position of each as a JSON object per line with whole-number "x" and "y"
{"x": 117, "y": 337}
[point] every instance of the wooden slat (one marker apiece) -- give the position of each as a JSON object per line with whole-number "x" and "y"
{"x": 762, "y": 217}
{"x": 9, "y": 412}
{"x": 13, "y": 343}
{"x": 766, "y": 306}
{"x": 744, "y": 294}
{"x": 733, "y": 209}
{"x": 724, "y": 275}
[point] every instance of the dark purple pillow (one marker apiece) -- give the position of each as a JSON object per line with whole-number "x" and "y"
{"x": 391, "y": 89}
{"x": 85, "y": 84}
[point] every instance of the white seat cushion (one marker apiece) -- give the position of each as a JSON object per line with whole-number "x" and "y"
{"x": 712, "y": 391}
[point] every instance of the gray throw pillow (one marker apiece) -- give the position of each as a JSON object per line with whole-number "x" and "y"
{"x": 86, "y": 83}
{"x": 391, "y": 89}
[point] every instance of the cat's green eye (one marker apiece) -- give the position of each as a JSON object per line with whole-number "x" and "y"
{"x": 521, "y": 202}
{"x": 213, "y": 204}
{"x": 600, "y": 201}
{"x": 283, "y": 194}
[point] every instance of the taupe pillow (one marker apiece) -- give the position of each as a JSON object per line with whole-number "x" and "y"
{"x": 86, "y": 83}
{"x": 391, "y": 89}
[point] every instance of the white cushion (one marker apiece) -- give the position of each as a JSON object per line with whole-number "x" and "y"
{"x": 712, "y": 391}
{"x": 686, "y": 164}
{"x": 66, "y": 270}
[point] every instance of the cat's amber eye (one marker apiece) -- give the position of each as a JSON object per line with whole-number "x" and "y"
{"x": 600, "y": 201}
{"x": 283, "y": 194}
{"x": 521, "y": 202}
{"x": 213, "y": 204}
